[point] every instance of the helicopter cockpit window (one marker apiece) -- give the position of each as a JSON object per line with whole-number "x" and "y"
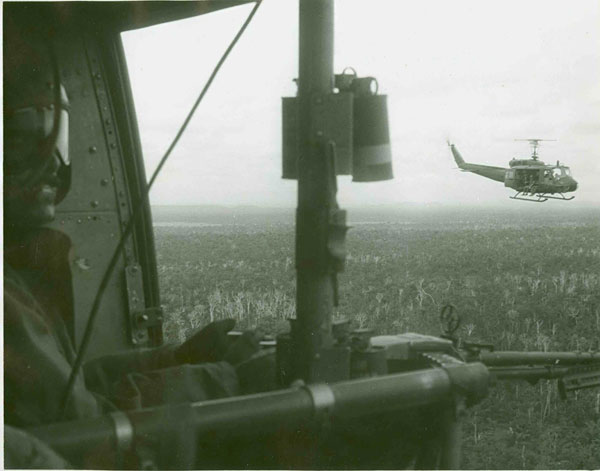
{"x": 566, "y": 171}
{"x": 557, "y": 172}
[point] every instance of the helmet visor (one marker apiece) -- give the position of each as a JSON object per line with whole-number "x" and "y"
{"x": 26, "y": 132}
{"x": 62, "y": 138}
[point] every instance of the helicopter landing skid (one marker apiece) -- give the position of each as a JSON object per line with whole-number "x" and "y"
{"x": 539, "y": 197}
{"x": 561, "y": 197}
{"x": 536, "y": 198}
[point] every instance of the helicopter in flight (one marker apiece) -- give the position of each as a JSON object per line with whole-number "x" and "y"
{"x": 531, "y": 178}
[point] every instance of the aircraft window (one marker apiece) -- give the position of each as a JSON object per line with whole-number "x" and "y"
{"x": 557, "y": 172}
{"x": 225, "y": 162}
{"x": 566, "y": 170}
{"x": 209, "y": 166}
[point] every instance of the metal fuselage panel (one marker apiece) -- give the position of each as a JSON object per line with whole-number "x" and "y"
{"x": 493, "y": 173}
{"x": 97, "y": 205}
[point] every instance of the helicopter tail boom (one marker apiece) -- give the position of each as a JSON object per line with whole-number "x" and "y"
{"x": 488, "y": 171}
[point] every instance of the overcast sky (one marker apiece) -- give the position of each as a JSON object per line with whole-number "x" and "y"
{"x": 480, "y": 73}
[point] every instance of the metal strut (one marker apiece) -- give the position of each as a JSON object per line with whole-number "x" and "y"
{"x": 316, "y": 194}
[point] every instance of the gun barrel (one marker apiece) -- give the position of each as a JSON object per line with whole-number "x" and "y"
{"x": 538, "y": 358}
{"x": 528, "y": 373}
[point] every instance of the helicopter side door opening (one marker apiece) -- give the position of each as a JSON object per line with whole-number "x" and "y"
{"x": 335, "y": 396}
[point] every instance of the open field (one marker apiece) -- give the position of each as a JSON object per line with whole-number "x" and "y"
{"x": 523, "y": 280}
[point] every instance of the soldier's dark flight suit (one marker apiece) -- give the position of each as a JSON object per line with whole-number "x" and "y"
{"x": 38, "y": 352}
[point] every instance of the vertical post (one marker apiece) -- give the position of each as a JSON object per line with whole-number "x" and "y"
{"x": 451, "y": 439}
{"x": 314, "y": 288}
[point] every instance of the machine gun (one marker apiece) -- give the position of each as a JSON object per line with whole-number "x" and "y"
{"x": 389, "y": 388}
{"x": 573, "y": 370}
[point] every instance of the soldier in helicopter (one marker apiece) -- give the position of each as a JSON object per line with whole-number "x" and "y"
{"x": 38, "y": 343}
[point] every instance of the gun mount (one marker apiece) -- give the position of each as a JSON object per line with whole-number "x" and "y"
{"x": 172, "y": 437}
{"x": 398, "y": 383}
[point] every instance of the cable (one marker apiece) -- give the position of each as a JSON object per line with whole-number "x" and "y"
{"x": 138, "y": 206}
